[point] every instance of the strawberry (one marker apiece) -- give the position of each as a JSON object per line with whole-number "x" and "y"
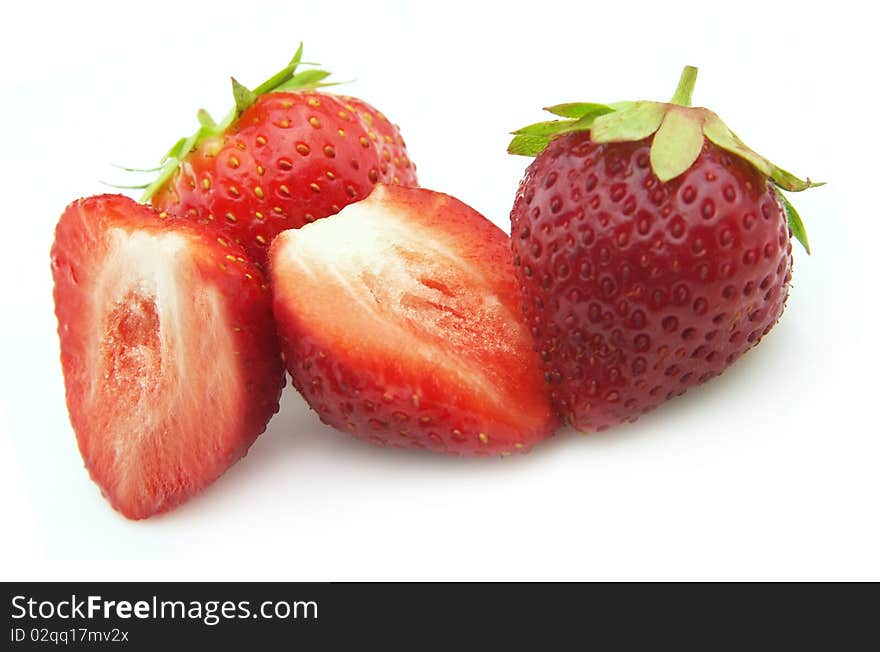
{"x": 168, "y": 349}
{"x": 285, "y": 156}
{"x": 652, "y": 249}
{"x": 400, "y": 323}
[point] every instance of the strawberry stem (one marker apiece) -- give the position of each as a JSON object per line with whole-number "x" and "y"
{"x": 685, "y": 90}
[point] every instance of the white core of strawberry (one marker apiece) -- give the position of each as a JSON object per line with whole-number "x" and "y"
{"x": 374, "y": 263}
{"x": 162, "y": 357}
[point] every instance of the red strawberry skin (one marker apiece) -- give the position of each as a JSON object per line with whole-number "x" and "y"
{"x": 289, "y": 159}
{"x": 400, "y": 323}
{"x": 168, "y": 349}
{"x": 395, "y": 168}
{"x": 635, "y": 290}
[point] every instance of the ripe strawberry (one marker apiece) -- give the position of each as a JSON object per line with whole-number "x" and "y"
{"x": 652, "y": 250}
{"x": 400, "y": 322}
{"x": 286, "y": 156}
{"x": 168, "y": 349}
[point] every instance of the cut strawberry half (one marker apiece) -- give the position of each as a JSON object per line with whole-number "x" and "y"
{"x": 400, "y": 323}
{"x": 168, "y": 348}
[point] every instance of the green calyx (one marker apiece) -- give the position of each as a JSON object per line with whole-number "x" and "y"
{"x": 287, "y": 79}
{"x": 678, "y": 129}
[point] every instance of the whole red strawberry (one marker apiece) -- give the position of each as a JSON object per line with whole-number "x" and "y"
{"x": 286, "y": 156}
{"x": 652, "y": 249}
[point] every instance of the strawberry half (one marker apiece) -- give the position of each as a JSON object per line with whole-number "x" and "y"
{"x": 400, "y": 323}
{"x": 168, "y": 349}
{"x": 287, "y": 155}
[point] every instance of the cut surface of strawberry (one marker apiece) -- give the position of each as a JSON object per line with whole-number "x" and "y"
{"x": 400, "y": 323}
{"x": 168, "y": 350}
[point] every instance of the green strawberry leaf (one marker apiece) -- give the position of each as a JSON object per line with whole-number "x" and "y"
{"x": 528, "y": 145}
{"x": 532, "y": 139}
{"x": 297, "y": 57}
{"x": 556, "y": 127}
{"x": 798, "y": 230}
{"x": 720, "y": 134}
{"x": 205, "y": 119}
{"x": 676, "y": 145}
{"x": 578, "y": 110}
{"x": 585, "y": 122}
{"x": 125, "y": 168}
{"x": 304, "y": 79}
{"x": 633, "y": 123}
{"x": 175, "y": 150}
{"x": 788, "y": 181}
{"x": 622, "y": 106}
{"x": 282, "y": 75}
{"x": 548, "y": 128}
{"x": 167, "y": 171}
{"x": 244, "y": 97}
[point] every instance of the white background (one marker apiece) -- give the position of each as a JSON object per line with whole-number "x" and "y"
{"x": 770, "y": 472}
